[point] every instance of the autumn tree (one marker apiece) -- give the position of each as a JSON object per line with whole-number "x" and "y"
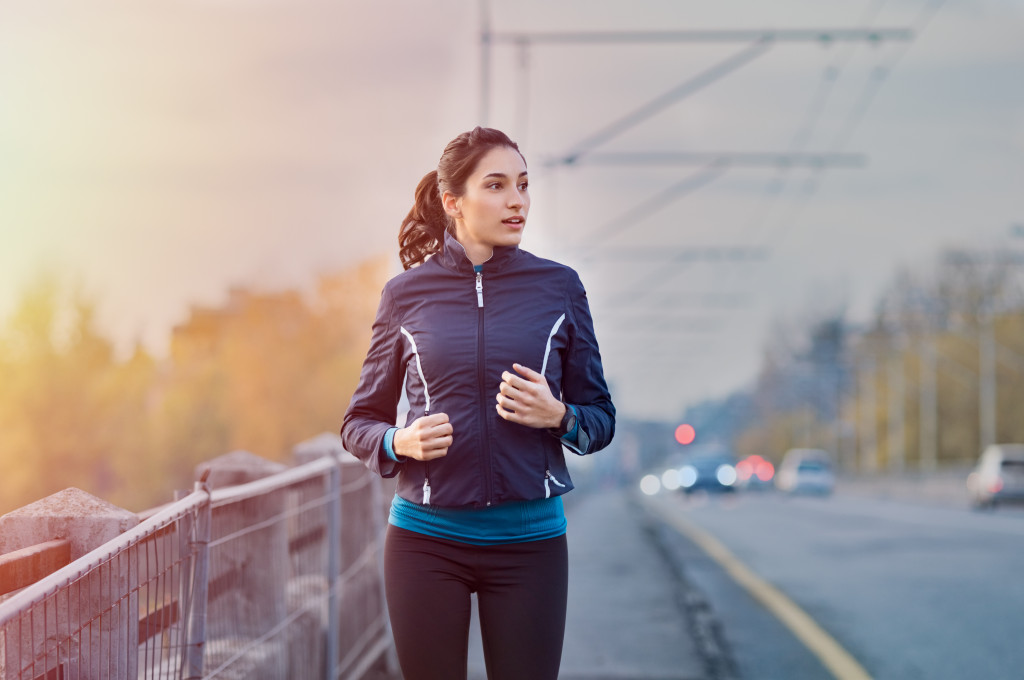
{"x": 66, "y": 406}
{"x": 261, "y": 372}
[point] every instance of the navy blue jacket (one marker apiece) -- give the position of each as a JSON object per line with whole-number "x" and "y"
{"x": 446, "y": 333}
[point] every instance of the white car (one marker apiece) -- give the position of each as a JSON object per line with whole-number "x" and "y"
{"x": 998, "y": 477}
{"x": 806, "y": 471}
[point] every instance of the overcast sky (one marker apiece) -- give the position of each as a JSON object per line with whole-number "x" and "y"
{"x": 162, "y": 152}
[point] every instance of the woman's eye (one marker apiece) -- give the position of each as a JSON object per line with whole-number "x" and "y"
{"x": 524, "y": 186}
{"x": 493, "y": 185}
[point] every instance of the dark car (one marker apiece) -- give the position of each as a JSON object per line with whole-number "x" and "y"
{"x": 710, "y": 472}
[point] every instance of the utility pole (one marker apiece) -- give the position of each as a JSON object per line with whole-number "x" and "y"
{"x": 928, "y": 403}
{"x": 897, "y": 407}
{"x": 485, "y": 61}
{"x": 869, "y": 418}
{"x": 987, "y": 395}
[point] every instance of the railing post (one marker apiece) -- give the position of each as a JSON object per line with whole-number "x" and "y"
{"x": 196, "y": 644}
{"x": 380, "y": 525}
{"x": 186, "y": 525}
{"x": 333, "y": 567}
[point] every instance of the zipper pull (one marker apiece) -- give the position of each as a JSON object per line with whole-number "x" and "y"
{"x": 479, "y": 289}
{"x": 547, "y": 487}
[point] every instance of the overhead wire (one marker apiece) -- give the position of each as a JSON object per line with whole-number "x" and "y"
{"x": 826, "y": 87}
{"x": 765, "y": 230}
{"x": 776, "y": 186}
{"x": 714, "y": 169}
{"x": 769, "y": 237}
{"x": 689, "y": 86}
{"x": 879, "y": 74}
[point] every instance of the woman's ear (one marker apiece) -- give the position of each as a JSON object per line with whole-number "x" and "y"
{"x": 452, "y": 204}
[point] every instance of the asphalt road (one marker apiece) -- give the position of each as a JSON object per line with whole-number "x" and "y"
{"x": 906, "y": 590}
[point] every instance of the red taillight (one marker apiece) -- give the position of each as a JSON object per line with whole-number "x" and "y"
{"x": 765, "y": 471}
{"x": 743, "y": 469}
{"x": 996, "y": 486}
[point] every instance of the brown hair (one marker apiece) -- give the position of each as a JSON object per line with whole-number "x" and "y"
{"x": 422, "y": 230}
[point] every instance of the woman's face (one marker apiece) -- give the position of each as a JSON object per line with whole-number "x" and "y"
{"x": 492, "y": 211}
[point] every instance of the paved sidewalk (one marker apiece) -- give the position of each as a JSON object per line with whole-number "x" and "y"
{"x": 624, "y": 618}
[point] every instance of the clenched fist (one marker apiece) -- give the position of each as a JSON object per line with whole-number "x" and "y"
{"x": 425, "y": 439}
{"x": 526, "y": 399}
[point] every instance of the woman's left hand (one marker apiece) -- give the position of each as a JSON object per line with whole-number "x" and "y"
{"x": 526, "y": 399}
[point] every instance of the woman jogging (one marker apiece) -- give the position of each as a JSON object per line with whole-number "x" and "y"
{"x": 496, "y": 352}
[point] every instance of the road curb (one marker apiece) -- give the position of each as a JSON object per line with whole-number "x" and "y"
{"x": 705, "y": 627}
{"x": 840, "y": 663}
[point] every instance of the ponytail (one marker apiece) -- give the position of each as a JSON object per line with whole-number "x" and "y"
{"x": 422, "y": 230}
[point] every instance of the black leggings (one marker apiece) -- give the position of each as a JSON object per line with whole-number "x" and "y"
{"x": 521, "y": 594}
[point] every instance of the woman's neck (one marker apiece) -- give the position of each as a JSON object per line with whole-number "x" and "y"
{"x": 477, "y": 253}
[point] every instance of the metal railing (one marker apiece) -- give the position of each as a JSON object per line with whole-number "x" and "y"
{"x": 277, "y": 578}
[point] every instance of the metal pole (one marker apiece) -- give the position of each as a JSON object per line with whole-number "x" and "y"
{"x": 987, "y": 395}
{"x": 200, "y": 582}
{"x": 897, "y": 390}
{"x": 523, "y": 95}
{"x": 333, "y": 567}
{"x": 929, "y": 408}
{"x": 380, "y": 525}
{"x": 851, "y": 452}
{"x": 185, "y": 593}
{"x": 838, "y": 418}
{"x": 485, "y": 62}
{"x": 869, "y": 452}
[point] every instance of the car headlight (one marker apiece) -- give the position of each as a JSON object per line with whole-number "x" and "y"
{"x": 726, "y": 475}
{"x": 650, "y": 485}
{"x": 670, "y": 479}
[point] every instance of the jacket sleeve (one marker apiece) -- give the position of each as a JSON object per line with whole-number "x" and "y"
{"x": 373, "y": 408}
{"x": 583, "y": 383}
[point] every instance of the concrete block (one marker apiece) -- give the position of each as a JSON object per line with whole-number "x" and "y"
{"x": 89, "y": 629}
{"x": 237, "y": 467}
{"x": 83, "y": 519}
{"x": 325, "y": 444}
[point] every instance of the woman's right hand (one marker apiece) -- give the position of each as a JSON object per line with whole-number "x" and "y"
{"x": 425, "y": 439}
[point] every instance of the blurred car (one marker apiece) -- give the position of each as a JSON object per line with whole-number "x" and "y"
{"x": 998, "y": 476}
{"x": 709, "y": 472}
{"x": 755, "y": 473}
{"x": 806, "y": 471}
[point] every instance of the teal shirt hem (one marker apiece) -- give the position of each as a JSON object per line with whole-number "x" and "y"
{"x": 512, "y": 522}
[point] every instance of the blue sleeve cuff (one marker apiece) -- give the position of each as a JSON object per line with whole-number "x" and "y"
{"x": 389, "y": 447}
{"x": 571, "y": 436}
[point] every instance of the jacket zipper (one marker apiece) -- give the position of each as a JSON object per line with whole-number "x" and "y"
{"x": 426, "y": 472}
{"x": 480, "y": 382}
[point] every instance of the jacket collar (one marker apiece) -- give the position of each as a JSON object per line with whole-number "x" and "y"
{"x": 453, "y": 256}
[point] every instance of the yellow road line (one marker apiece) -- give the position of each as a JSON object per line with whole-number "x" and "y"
{"x": 842, "y": 665}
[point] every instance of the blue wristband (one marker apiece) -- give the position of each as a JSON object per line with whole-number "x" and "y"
{"x": 389, "y": 445}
